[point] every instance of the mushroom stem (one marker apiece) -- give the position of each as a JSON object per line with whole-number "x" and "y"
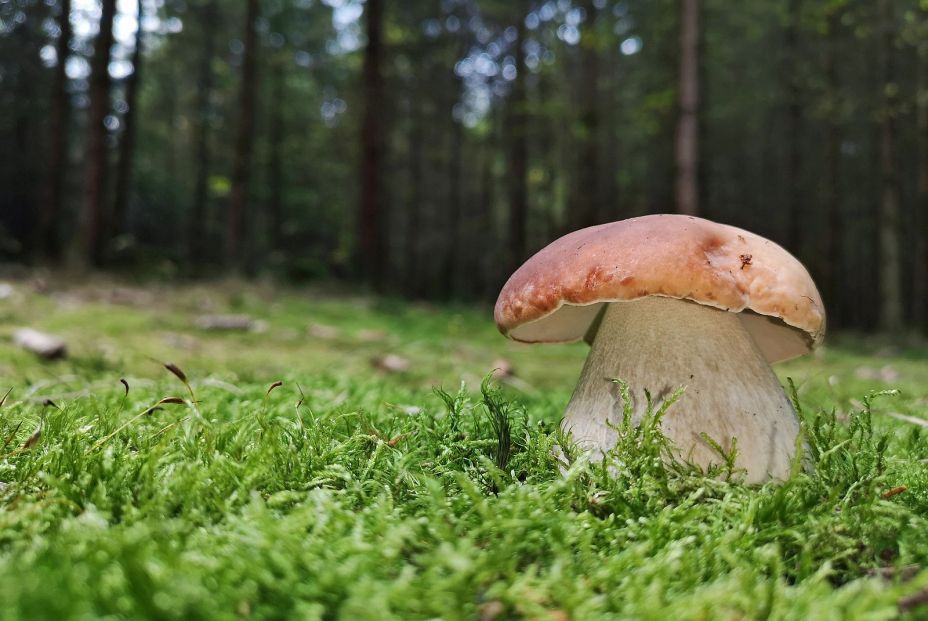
{"x": 660, "y": 344}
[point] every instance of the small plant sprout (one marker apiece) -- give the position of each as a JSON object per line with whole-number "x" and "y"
{"x": 667, "y": 301}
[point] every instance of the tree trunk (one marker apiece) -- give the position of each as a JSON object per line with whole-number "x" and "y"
{"x": 920, "y": 271}
{"x": 453, "y": 235}
{"x": 891, "y": 305}
{"x": 48, "y": 239}
{"x": 834, "y": 236}
{"x": 489, "y": 242}
{"x": 411, "y": 250}
{"x": 518, "y": 150}
{"x": 92, "y": 224}
{"x": 127, "y": 146}
{"x": 275, "y": 161}
{"x": 585, "y": 205}
{"x": 173, "y": 151}
{"x": 241, "y": 170}
{"x": 793, "y": 129}
{"x": 687, "y": 141}
{"x": 196, "y": 237}
{"x": 610, "y": 202}
{"x": 372, "y": 206}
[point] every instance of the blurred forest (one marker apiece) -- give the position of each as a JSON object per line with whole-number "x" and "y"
{"x": 428, "y": 147}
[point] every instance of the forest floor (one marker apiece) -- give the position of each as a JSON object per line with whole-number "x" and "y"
{"x": 354, "y": 490}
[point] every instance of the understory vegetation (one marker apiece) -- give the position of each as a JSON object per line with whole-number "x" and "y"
{"x": 172, "y": 472}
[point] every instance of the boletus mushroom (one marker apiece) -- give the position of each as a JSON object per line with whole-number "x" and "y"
{"x": 667, "y": 301}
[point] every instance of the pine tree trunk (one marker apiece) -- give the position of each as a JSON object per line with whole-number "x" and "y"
{"x": 489, "y": 243}
{"x": 611, "y": 209}
{"x": 275, "y": 160}
{"x": 127, "y": 146}
{"x": 920, "y": 267}
{"x": 92, "y": 217}
{"x": 687, "y": 140}
{"x": 891, "y": 303}
{"x": 586, "y": 203}
{"x": 196, "y": 226}
{"x": 413, "y": 208}
{"x": 241, "y": 171}
{"x": 833, "y": 246}
{"x": 453, "y": 234}
{"x": 173, "y": 152}
{"x": 794, "y": 129}
{"x": 518, "y": 150}
{"x": 48, "y": 239}
{"x": 372, "y": 207}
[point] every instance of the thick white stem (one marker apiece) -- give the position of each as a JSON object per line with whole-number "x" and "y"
{"x": 660, "y": 344}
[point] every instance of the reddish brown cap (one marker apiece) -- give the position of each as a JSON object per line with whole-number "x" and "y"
{"x": 557, "y": 294}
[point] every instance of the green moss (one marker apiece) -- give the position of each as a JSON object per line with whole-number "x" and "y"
{"x": 348, "y": 494}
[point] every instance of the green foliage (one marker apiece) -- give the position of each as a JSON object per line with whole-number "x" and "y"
{"x": 369, "y": 513}
{"x": 342, "y": 495}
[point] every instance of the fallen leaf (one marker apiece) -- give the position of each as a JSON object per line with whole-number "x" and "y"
{"x": 894, "y": 491}
{"x": 32, "y": 440}
{"x": 371, "y": 336}
{"x": 180, "y": 341}
{"x": 226, "y": 322}
{"x": 910, "y": 602}
{"x": 921, "y": 422}
{"x": 885, "y": 374}
{"x": 904, "y": 573}
{"x": 321, "y": 331}
{"x": 490, "y": 611}
{"x": 391, "y": 363}
{"x": 392, "y": 442}
{"x": 127, "y": 296}
{"x": 502, "y": 369}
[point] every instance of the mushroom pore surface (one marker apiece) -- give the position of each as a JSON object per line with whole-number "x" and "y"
{"x": 659, "y": 344}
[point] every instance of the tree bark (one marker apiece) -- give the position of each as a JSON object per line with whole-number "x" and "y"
{"x": 920, "y": 267}
{"x": 518, "y": 150}
{"x": 890, "y": 271}
{"x": 453, "y": 235}
{"x": 372, "y": 206}
{"x": 490, "y": 271}
{"x": 412, "y": 219}
{"x": 793, "y": 129}
{"x": 48, "y": 239}
{"x": 586, "y": 202}
{"x": 127, "y": 146}
{"x": 687, "y": 139}
{"x": 275, "y": 160}
{"x": 241, "y": 171}
{"x": 196, "y": 229}
{"x": 92, "y": 224}
{"x": 610, "y": 206}
{"x": 834, "y": 236}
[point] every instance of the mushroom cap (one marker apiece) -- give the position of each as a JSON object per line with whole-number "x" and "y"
{"x": 557, "y": 295}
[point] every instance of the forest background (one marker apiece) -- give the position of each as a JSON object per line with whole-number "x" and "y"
{"x": 427, "y": 148}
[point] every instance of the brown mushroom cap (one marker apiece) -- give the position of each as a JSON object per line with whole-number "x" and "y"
{"x": 557, "y": 295}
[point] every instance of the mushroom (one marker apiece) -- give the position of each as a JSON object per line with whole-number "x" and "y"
{"x": 667, "y": 301}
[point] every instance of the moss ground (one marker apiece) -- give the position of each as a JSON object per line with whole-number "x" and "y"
{"x": 349, "y": 492}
